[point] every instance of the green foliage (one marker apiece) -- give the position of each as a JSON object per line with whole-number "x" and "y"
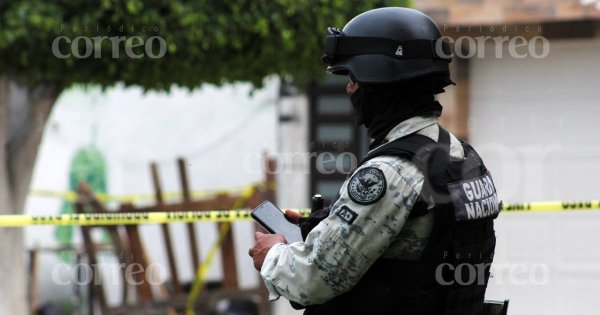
{"x": 207, "y": 41}
{"x": 87, "y": 165}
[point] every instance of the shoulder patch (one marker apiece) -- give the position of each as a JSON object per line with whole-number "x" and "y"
{"x": 474, "y": 198}
{"x": 347, "y": 214}
{"x": 367, "y": 186}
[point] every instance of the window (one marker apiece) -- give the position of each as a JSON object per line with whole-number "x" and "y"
{"x": 336, "y": 142}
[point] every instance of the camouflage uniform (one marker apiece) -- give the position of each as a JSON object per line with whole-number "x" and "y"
{"x": 367, "y": 222}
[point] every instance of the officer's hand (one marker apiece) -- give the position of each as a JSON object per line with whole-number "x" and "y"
{"x": 293, "y": 216}
{"x": 264, "y": 242}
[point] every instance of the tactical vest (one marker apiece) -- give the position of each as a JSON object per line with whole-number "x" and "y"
{"x": 452, "y": 274}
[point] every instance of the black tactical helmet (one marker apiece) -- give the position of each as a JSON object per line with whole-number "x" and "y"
{"x": 388, "y": 45}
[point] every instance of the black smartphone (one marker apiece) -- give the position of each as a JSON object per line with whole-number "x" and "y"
{"x": 273, "y": 220}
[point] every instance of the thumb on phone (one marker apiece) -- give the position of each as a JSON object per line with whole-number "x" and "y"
{"x": 293, "y": 216}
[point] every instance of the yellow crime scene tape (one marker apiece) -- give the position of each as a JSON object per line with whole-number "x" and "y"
{"x": 124, "y": 218}
{"x": 212, "y": 252}
{"x": 551, "y": 206}
{"x": 227, "y": 217}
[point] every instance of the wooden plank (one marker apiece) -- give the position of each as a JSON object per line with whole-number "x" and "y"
{"x": 119, "y": 248}
{"x": 230, "y": 276}
{"x": 185, "y": 189}
{"x": 166, "y": 232}
{"x": 123, "y": 255}
{"x": 34, "y": 272}
{"x": 137, "y": 256}
{"x": 96, "y": 288}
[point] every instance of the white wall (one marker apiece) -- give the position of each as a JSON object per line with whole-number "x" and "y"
{"x": 535, "y": 122}
{"x": 222, "y": 132}
{"x": 292, "y": 155}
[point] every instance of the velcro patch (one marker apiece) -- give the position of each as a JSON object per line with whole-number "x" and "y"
{"x": 347, "y": 215}
{"x": 474, "y": 198}
{"x": 367, "y": 186}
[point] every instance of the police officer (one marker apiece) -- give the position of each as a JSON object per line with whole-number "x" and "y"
{"x": 412, "y": 230}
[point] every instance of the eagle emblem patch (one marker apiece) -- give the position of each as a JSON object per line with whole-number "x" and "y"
{"x": 367, "y": 186}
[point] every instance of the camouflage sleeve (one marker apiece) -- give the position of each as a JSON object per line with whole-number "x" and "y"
{"x": 373, "y": 206}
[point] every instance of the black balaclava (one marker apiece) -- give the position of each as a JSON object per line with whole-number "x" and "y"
{"x": 381, "y": 107}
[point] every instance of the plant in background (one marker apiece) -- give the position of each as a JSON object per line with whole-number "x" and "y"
{"x": 87, "y": 165}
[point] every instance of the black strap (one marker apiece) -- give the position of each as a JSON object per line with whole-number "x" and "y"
{"x": 406, "y": 147}
{"x": 430, "y": 157}
{"x": 340, "y": 45}
{"x": 441, "y": 157}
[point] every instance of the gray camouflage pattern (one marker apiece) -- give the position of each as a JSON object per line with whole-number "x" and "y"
{"x": 335, "y": 254}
